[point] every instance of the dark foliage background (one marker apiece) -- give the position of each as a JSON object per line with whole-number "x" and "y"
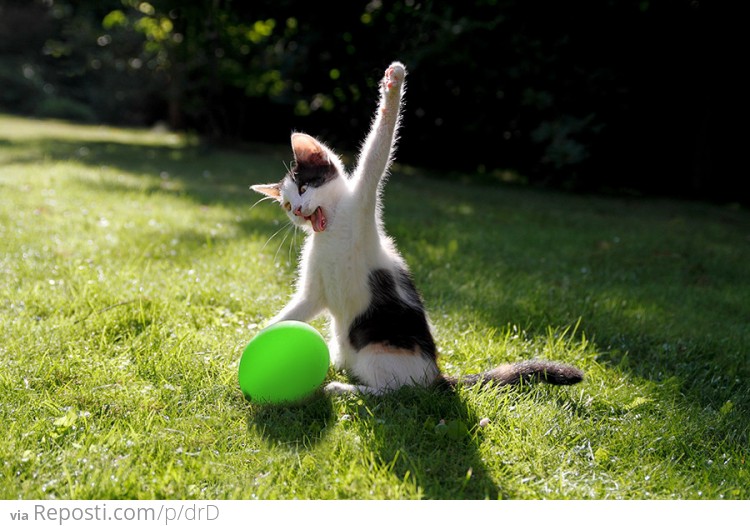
{"x": 631, "y": 96}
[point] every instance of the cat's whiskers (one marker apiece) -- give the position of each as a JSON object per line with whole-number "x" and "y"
{"x": 293, "y": 244}
{"x": 283, "y": 227}
{"x": 287, "y": 166}
{"x": 276, "y": 255}
{"x": 290, "y": 229}
{"x": 265, "y": 198}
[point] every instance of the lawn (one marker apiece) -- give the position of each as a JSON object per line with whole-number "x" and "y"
{"x": 135, "y": 267}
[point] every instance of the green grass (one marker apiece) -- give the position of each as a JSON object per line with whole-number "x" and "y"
{"x": 134, "y": 269}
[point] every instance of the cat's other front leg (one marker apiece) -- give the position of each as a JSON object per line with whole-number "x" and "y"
{"x": 303, "y": 309}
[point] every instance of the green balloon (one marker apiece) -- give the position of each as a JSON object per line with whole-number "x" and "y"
{"x": 283, "y": 363}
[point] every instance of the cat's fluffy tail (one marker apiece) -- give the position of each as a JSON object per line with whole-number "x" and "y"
{"x": 521, "y": 372}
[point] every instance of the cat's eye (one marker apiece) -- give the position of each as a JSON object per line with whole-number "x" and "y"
{"x": 302, "y": 189}
{"x": 288, "y": 206}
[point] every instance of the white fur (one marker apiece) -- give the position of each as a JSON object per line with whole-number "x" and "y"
{"x": 335, "y": 264}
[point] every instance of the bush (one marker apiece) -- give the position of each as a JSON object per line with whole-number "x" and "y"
{"x": 65, "y": 108}
{"x": 19, "y": 94}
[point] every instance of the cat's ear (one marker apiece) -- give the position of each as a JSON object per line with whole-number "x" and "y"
{"x": 271, "y": 190}
{"x": 308, "y": 151}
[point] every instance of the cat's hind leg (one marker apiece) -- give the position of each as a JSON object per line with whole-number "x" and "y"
{"x": 381, "y": 369}
{"x": 340, "y": 388}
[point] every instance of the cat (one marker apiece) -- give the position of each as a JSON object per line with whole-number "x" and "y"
{"x": 349, "y": 267}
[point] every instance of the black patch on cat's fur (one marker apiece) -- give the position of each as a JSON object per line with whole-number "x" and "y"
{"x": 312, "y": 175}
{"x": 391, "y": 320}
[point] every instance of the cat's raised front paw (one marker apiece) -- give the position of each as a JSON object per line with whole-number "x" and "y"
{"x": 394, "y": 76}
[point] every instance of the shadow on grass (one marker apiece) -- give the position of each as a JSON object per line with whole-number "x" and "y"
{"x": 195, "y": 172}
{"x": 659, "y": 286}
{"x": 293, "y": 425}
{"x": 199, "y": 174}
{"x": 429, "y": 437}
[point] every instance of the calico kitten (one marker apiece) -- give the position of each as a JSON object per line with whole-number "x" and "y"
{"x": 352, "y": 270}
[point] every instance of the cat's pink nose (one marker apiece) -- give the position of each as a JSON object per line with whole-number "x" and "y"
{"x": 298, "y": 211}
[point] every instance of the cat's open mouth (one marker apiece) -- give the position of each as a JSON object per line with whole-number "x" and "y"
{"x": 317, "y": 220}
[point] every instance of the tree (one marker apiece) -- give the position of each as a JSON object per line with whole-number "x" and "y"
{"x": 593, "y": 95}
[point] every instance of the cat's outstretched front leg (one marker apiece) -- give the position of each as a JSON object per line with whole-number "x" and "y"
{"x": 377, "y": 151}
{"x": 306, "y": 304}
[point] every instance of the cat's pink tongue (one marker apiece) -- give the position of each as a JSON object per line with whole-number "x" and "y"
{"x": 318, "y": 220}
